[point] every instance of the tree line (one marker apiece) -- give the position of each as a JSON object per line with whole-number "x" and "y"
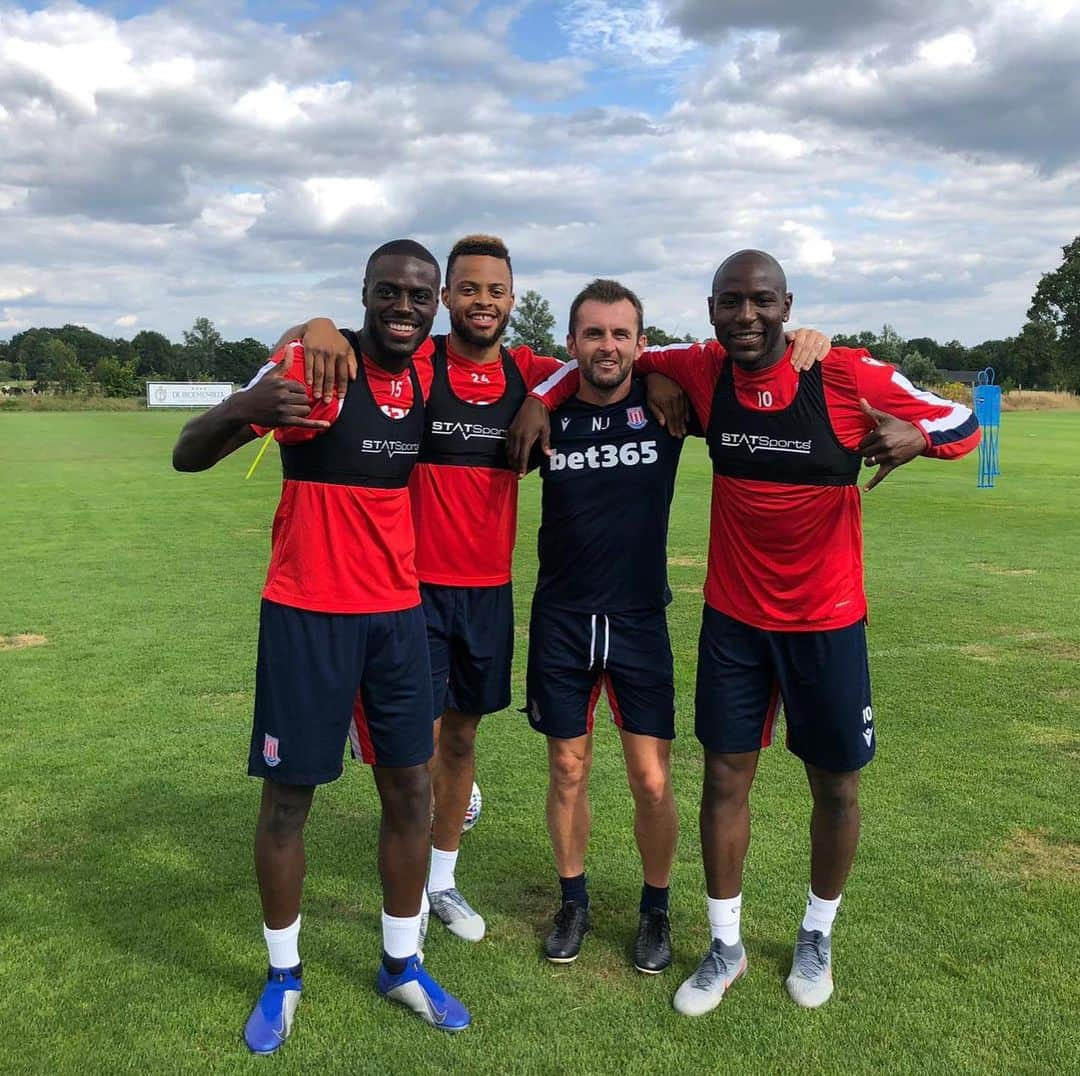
{"x": 1044, "y": 355}
{"x": 75, "y": 359}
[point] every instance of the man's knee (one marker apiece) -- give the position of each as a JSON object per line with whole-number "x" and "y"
{"x": 284, "y": 809}
{"x": 727, "y": 779}
{"x": 650, "y": 787}
{"x": 568, "y": 764}
{"x": 405, "y": 792}
{"x": 457, "y": 738}
{"x": 835, "y": 793}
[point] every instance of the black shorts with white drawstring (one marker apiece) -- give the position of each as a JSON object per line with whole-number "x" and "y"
{"x": 573, "y": 655}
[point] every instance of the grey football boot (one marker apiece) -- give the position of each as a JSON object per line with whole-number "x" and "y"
{"x": 453, "y": 910}
{"x": 810, "y": 983}
{"x": 719, "y": 968}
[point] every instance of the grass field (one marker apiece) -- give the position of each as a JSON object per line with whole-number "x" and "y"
{"x": 129, "y": 922}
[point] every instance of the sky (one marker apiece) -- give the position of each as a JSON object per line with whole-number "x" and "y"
{"x": 915, "y": 162}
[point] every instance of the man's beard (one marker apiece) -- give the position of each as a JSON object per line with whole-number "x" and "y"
{"x": 470, "y": 335}
{"x": 604, "y": 382}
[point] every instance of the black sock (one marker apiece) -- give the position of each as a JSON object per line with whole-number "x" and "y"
{"x": 653, "y": 896}
{"x": 574, "y": 889}
{"x": 393, "y": 965}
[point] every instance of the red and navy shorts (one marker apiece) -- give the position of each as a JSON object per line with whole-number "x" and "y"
{"x": 325, "y": 678}
{"x": 573, "y": 655}
{"x": 822, "y": 678}
{"x": 470, "y": 633}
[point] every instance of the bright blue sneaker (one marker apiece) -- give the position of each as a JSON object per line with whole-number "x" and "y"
{"x": 417, "y": 990}
{"x": 271, "y": 1020}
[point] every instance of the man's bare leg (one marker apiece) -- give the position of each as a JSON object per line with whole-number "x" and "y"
{"x": 569, "y": 820}
{"x": 453, "y": 769}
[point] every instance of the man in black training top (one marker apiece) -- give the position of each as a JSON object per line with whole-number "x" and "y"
{"x": 598, "y": 615}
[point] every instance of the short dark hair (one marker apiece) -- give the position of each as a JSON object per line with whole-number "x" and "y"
{"x": 610, "y": 292}
{"x": 487, "y": 246}
{"x": 408, "y": 248}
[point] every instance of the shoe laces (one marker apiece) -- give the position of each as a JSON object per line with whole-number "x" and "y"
{"x": 710, "y": 968}
{"x": 566, "y": 915}
{"x": 655, "y": 925}
{"x": 454, "y": 899}
{"x": 810, "y": 959}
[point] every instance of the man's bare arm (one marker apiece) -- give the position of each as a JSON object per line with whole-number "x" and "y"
{"x": 273, "y": 400}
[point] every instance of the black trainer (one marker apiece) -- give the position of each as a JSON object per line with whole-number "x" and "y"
{"x": 563, "y": 944}
{"x": 652, "y": 947}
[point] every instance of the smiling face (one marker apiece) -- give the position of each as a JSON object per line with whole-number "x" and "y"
{"x": 748, "y": 307}
{"x": 479, "y": 295}
{"x": 400, "y": 300}
{"x": 606, "y": 340}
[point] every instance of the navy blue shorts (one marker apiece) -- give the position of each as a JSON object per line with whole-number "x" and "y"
{"x": 325, "y": 677}
{"x": 470, "y": 633}
{"x": 823, "y": 678}
{"x": 573, "y": 655}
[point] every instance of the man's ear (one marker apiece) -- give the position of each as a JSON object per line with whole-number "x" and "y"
{"x": 710, "y": 302}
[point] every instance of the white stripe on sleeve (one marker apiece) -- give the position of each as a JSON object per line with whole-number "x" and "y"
{"x": 552, "y": 380}
{"x": 958, "y": 413}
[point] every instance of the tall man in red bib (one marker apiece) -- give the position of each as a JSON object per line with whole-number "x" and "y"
{"x": 342, "y": 641}
{"x": 785, "y": 609}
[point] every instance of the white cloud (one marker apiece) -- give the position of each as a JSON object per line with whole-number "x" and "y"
{"x": 949, "y": 50}
{"x": 177, "y": 166}
{"x": 634, "y": 32}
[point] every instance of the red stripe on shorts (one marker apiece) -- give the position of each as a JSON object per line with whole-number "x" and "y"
{"x": 616, "y": 713}
{"x": 360, "y": 734}
{"x": 590, "y": 711}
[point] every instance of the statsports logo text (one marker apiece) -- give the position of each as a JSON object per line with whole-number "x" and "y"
{"x": 758, "y": 442}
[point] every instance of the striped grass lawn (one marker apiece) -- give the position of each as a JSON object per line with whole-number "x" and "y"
{"x": 129, "y": 922}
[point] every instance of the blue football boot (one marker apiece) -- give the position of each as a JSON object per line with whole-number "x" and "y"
{"x": 271, "y": 1020}
{"x": 417, "y": 990}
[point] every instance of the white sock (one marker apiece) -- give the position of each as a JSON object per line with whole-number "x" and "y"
{"x": 724, "y": 917}
{"x": 441, "y": 875}
{"x": 425, "y": 904}
{"x": 819, "y": 913}
{"x": 283, "y": 945}
{"x": 400, "y": 937}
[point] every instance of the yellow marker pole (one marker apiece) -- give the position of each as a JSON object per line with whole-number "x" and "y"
{"x": 262, "y": 452}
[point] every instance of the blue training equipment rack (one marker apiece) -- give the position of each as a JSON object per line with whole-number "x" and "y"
{"x": 987, "y": 399}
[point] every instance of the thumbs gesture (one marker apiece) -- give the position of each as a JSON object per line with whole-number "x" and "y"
{"x": 891, "y": 443}
{"x": 277, "y": 399}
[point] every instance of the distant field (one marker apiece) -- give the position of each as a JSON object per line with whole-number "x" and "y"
{"x": 129, "y": 921}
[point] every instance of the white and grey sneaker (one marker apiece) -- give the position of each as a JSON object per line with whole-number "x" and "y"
{"x": 452, "y": 909}
{"x": 810, "y": 982}
{"x": 719, "y": 968}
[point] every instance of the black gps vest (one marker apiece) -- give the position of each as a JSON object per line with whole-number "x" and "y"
{"x": 461, "y": 434}
{"x": 364, "y": 446}
{"x": 796, "y": 446}
{"x": 607, "y": 489}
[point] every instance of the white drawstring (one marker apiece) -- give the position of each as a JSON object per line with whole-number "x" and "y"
{"x": 592, "y": 642}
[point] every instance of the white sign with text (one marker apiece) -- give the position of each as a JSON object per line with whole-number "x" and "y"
{"x": 186, "y": 393}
